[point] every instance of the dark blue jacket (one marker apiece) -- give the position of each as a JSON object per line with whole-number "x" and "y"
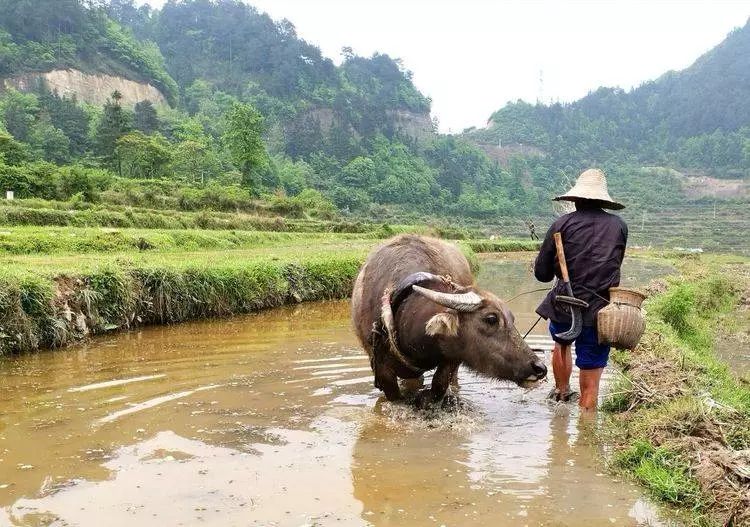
{"x": 594, "y": 243}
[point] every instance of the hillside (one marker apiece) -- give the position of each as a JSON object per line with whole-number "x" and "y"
{"x": 47, "y": 35}
{"x": 259, "y": 114}
{"x": 255, "y": 107}
{"x": 235, "y": 49}
{"x": 694, "y": 119}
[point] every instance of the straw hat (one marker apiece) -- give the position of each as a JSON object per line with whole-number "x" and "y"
{"x": 591, "y": 185}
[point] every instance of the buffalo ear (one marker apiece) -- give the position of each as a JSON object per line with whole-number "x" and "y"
{"x": 445, "y": 324}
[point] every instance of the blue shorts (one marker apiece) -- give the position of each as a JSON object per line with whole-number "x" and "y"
{"x": 590, "y": 355}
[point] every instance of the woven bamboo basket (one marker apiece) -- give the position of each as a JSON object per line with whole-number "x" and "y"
{"x": 621, "y": 324}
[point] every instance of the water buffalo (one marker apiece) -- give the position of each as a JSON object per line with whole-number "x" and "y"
{"x": 415, "y": 307}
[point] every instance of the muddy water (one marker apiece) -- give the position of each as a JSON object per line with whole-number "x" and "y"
{"x": 271, "y": 419}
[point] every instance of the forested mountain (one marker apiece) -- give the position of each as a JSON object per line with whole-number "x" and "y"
{"x": 697, "y": 118}
{"x": 252, "y": 105}
{"x": 232, "y": 48}
{"x": 256, "y": 111}
{"x": 40, "y": 35}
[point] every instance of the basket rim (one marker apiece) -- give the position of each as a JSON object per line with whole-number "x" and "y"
{"x": 641, "y": 294}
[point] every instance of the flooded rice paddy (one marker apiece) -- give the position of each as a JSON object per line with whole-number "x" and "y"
{"x": 272, "y": 420}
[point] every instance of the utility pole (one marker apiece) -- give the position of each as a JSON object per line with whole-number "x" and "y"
{"x": 643, "y": 220}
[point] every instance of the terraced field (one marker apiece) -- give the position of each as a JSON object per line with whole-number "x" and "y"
{"x": 693, "y": 225}
{"x": 697, "y": 225}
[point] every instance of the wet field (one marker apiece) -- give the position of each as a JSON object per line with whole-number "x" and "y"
{"x": 272, "y": 419}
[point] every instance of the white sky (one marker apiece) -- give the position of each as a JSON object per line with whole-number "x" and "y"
{"x": 473, "y": 56}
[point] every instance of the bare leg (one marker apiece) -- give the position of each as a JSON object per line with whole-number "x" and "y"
{"x": 562, "y": 367}
{"x": 589, "y": 380}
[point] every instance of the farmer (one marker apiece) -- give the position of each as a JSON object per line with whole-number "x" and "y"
{"x": 532, "y": 229}
{"x": 594, "y": 245}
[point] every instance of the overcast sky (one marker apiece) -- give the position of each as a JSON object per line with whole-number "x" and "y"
{"x": 473, "y": 56}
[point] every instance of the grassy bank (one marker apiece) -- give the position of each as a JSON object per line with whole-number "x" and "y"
{"x": 78, "y": 240}
{"x": 680, "y": 419}
{"x": 52, "y": 305}
{"x": 74, "y": 240}
{"x": 503, "y": 245}
{"x": 59, "y": 285}
{"x": 123, "y": 217}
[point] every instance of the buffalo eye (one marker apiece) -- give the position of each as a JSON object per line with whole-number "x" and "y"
{"x": 491, "y": 319}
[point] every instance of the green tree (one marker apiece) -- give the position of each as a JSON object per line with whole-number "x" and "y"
{"x": 145, "y": 118}
{"x": 114, "y": 123}
{"x": 195, "y": 162}
{"x": 402, "y": 177}
{"x": 48, "y": 142}
{"x": 77, "y": 180}
{"x": 294, "y": 176}
{"x": 243, "y": 138}
{"x": 359, "y": 173}
{"x": 142, "y": 156}
{"x": 11, "y": 151}
{"x": 19, "y": 111}
{"x": 9, "y": 53}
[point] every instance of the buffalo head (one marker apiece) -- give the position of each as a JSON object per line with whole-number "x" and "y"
{"x": 478, "y": 329}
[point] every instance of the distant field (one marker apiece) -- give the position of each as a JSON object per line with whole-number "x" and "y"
{"x": 725, "y": 228}
{"x": 83, "y": 240}
{"x": 693, "y": 225}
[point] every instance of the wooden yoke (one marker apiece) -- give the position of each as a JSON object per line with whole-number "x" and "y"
{"x": 561, "y": 257}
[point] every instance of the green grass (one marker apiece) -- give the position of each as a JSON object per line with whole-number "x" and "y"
{"x": 504, "y": 245}
{"x": 77, "y": 240}
{"x": 60, "y": 284}
{"x": 124, "y": 217}
{"x": 83, "y": 240}
{"x": 677, "y": 402}
{"x": 43, "y": 306}
{"x": 663, "y": 471}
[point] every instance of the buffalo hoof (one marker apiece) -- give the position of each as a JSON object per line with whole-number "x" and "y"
{"x": 425, "y": 399}
{"x": 450, "y": 402}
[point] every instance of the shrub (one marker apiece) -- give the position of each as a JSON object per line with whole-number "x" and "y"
{"x": 676, "y": 306}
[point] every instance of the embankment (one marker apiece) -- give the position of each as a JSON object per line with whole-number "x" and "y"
{"x": 501, "y": 246}
{"x": 680, "y": 419}
{"x": 58, "y": 286}
{"x": 45, "y": 309}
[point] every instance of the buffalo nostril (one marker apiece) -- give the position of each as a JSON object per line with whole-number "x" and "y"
{"x": 540, "y": 370}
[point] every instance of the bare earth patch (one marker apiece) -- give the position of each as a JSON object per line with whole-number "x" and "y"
{"x": 698, "y": 186}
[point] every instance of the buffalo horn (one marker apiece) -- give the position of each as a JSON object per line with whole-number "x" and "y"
{"x": 459, "y": 301}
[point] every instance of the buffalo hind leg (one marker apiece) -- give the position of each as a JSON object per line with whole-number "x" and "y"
{"x": 441, "y": 381}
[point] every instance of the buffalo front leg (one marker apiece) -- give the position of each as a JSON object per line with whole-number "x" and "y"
{"x": 385, "y": 377}
{"x": 386, "y": 380}
{"x": 441, "y": 381}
